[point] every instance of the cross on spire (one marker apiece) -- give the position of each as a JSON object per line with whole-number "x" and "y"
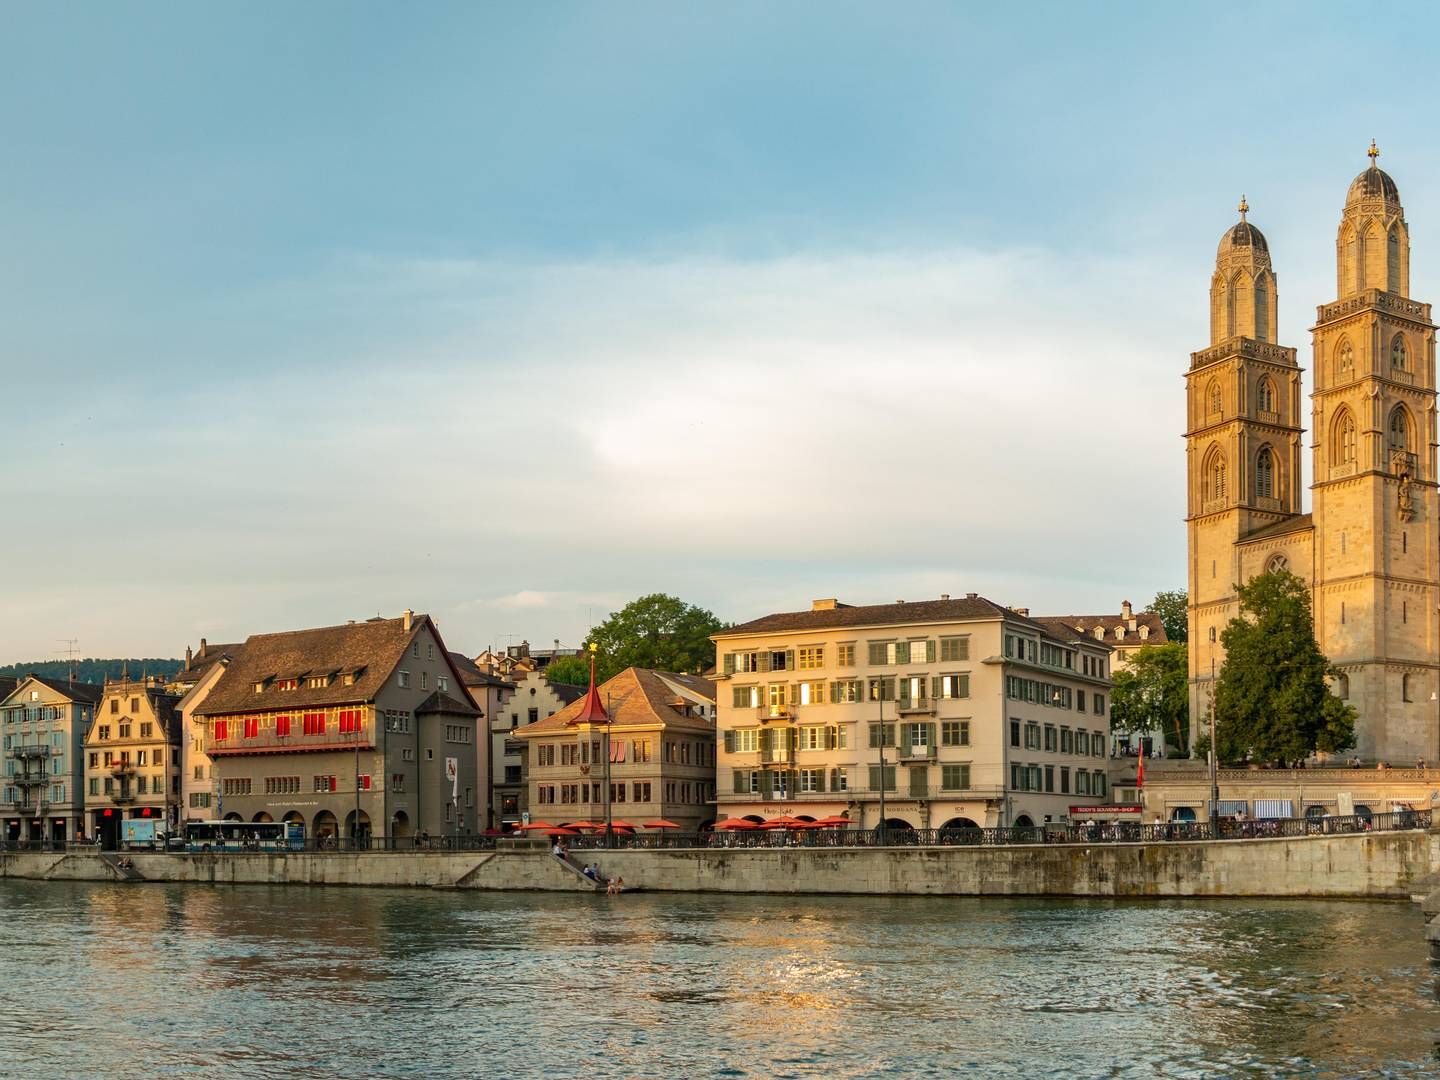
{"x": 1244, "y": 206}
{"x": 1374, "y": 153}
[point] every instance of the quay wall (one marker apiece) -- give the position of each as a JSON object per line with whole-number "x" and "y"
{"x": 1390, "y": 865}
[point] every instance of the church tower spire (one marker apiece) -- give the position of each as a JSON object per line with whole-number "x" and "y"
{"x": 1377, "y": 568}
{"x": 1243, "y": 439}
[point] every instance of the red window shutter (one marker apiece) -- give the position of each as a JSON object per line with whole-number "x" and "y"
{"x": 332, "y": 783}
{"x": 282, "y": 725}
{"x": 222, "y": 730}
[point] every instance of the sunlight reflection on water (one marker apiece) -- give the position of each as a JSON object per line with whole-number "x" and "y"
{"x": 266, "y": 982}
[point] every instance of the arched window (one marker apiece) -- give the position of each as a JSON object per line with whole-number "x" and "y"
{"x": 1342, "y": 450}
{"x": 1212, "y": 396}
{"x": 1345, "y": 363}
{"x": 1398, "y": 360}
{"x": 1215, "y": 476}
{"x": 1212, "y": 634}
{"x": 1399, "y": 429}
{"x": 1277, "y": 563}
{"x": 1265, "y": 473}
{"x": 1265, "y": 395}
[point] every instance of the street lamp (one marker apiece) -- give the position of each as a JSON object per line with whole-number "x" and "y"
{"x": 1214, "y": 760}
{"x": 880, "y": 742}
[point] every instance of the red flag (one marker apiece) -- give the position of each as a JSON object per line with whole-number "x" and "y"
{"x": 1140, "y": 769}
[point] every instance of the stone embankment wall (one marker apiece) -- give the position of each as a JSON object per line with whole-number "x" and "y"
{"x": 1397, "y": 865}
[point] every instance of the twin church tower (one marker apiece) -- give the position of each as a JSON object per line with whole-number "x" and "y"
{"x": 1368, "y": 549}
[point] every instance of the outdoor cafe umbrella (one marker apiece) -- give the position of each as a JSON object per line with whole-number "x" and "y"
{"x": 785, "y": 822}
{"x": 558, "y": 831}
{"x": 587, "y": 825}
{"x": 835, "y": 822}
{"x": 534, "y": 825}
{"x": 660, "y": 824}
{"x": 621, "y": 825}
{"x": 736, "y": 823}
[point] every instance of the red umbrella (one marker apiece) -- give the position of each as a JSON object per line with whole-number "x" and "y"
{"x": 785, "y": 822}
{"x": 736, "y": 823}
{"x": 661, "y": 824}
{"x": 587, "y": 825}
{"x": 557, "y": 831}
{"x": 836, "y": 822}
{"x": 621, "y": 825}
{"x": 534, "y": 825}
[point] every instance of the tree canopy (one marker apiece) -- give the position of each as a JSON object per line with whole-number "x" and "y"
{"x": 1272, "y": 702}
{"x": 1173, "y": 607}
{"x": 655, "y": 631}
{"x": 95, "y": 670}
{"x": 1152, "y": 691}
{"x": 569, "y": 670}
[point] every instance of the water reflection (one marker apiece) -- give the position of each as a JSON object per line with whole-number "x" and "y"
{"x": 146, "y": 980}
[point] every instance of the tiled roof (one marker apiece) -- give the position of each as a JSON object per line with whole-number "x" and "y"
{"x": 471, "y": 675}
{"x": 368, "y": 650}
{"x": 87, "y": 693}
{"x": 1084, "y": 626}
{"x": 440, "y": 702}
{"x": 201, "y": 662}
{"x": 1280, "y": 528}
{"x": 636, "y": 696}
{"x": 873, "y": 615}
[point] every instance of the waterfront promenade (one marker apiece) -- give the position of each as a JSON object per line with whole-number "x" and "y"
{"x": 1396, "y": 863}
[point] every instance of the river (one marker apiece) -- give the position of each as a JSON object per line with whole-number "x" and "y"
{"x": 153, "y": 980}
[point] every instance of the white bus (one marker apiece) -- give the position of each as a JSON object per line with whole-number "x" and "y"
{"x": 243, "y": 835}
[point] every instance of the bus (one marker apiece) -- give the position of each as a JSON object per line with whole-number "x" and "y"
{"x": 244, "y": 835}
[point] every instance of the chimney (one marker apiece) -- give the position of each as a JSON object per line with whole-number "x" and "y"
{"x": 202, "y": 648}
{"x": 189, "y": 657}
{"x": 972, "y": 596}
{"x": 944, "y": 596}
{"x": 1125, "y": 609}
{"x": 828, "y": 604}
{"x": 1023, "y": 611}
{"x": 409, "y": 619}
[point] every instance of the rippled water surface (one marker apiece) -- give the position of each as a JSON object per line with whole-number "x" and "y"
{"x": 135, "y": 981}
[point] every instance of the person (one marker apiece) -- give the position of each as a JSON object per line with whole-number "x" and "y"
{"x": 555, "y": 850}
{"x": 592, "y": 872}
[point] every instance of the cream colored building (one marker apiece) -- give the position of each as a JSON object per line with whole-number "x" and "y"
{"x": 198, "y": 797}
{"x": 132, "y": 758}
{"x": 44, "y": 722}
{"x": 656, "y": 753}
{"x": 981, "y": 715}
{"x": 1368, "y": 549}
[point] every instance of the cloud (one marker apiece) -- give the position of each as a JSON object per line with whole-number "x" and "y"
{"x": 741, "y": 432}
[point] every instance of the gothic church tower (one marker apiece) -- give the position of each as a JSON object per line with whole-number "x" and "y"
{"x": 1376, "y": 564}
{"x": 1242, "y": 442}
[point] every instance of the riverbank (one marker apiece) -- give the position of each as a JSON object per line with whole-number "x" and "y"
{"x": 1392, "y": 866}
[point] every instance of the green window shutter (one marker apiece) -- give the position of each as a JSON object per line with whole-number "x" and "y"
{"x": 819, "y": 779}
{"x": 877, "y": 652}
{"x": 902, "y": 652}
{"x": 742, "y": 784}
{"x": 905, "y": 739}
{"x": 963, "y": 689}
{"x": 729, "y": 663}
{"x": 789, "y": 659}
{"x": 930, "y": 730}
{"x": 874, "y": 777}
{"x": 874, "y": 735}
{"x": 763, "y": 661}
{"x": 935, "y": 687}
{"x": 729, "y": 742}
{"x": 767, "y": 783}
{"x": 929, "y": 652}
{"x": 889, "y": 734}
{"x": 792, "y": 694}
{"x": 766, "y": 740}
{"x": 794, "y": 738}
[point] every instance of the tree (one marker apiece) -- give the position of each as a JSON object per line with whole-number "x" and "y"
{"x": 1173, "y": 607}
{"x": 655, "y": 631}
{"x": 569, "y": 670}
{"x": 1272, "y": 703}
{"x": 1153, "y": 692}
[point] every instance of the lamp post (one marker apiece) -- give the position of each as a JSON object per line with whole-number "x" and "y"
{"x": 355, "y": 826}
{"x": 609, "y": 793}
{"x": 1214, "y": 760}
{"x": 880, "y": 742}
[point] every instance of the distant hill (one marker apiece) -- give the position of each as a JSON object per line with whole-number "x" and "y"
{"x": 93, "y": 671}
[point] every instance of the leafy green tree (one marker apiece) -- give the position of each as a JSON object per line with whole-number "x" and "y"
{"x": 569, "y": 670}
{"x": 1272, "y": 703}
{"x": 655, "y": 631}
{"x": 1173, "y": 607}
{"x": 1153, "y": 692}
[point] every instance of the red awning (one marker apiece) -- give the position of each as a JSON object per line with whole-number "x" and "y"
{"x": 661, "y": 824}
{"x": 736, "y": 823}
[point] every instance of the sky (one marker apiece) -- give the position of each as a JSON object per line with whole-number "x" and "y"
{"x": 514, "y": 313}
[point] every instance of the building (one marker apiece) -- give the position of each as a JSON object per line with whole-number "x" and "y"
{"x": 132, "y": 757}
{"x": 533, "y": 697}
{"x": 488, "y": 693}
{"x": 969, "y": 712}
{"x": 200, "y": 675}
{"x": 518, "y": 659}
{"x": 356, "y": 730}
{"x": 656, "y": 752}
{"x": 1368, "y": 548}
{"x": 44, "y": 722}
{"x": 1126, "y": 634}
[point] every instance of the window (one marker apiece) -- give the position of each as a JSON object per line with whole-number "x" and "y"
{"x": 236, "y": 786}
{"x": 94, "y": 786}
{"x": 875, "y": 777}
{"x": 325, "y": 783}
{"x": 954, "y": 648}
{"x": 314, "y": 723}
{"x": 1064, "y": 779}
{"x": 397, "y": 781}
{"x": 846, "y": 691}
{"x": 1265, "y": 474}
{"x": 124, "y": 731}
{"x": 845, "y": 654}
{"x": 746, "y": 741}
{"x": 881, "y": 689}
{"x": 952, "y": 686}
{"x": 955, "y": 733}
{"x": 812, "y": 693}
{"x": 876, "y": 734}
{"x": 1050, "y": 778}
{"x": 1215, "y": 477}
{"x": 1399, "y": 429}
{"x": 812, "y": 738}
{"x": 424, "y": 680}
{"x": 954, "y": 777}
{"x": 350, "y": 720}
{"x": 1265, "y": 396}
{"x": 140, "y": 757}
{"x": 1014, "y": 732}
{"x": 94, "y": 758}
{"x": 745, "y": 697}
{"x": 251, "y": 727}
{"x": 282, "y": 785}
{"x": 1099, "y": 702}
{"x": 282, "y": 725}
{"x": 1343, "y": 443}
{"x": 1052, "y": 739}
{"x": 114, "y": 705}
{"x": 287, "y": 684}
{"x": 442, "y": 684}
{"x": 222, "y": 731}
{"x": 403, "y": 678}
{"x": 1067, "y": 741}
{"x": 134, "y": 704}
{"x": 640, "y": 791}
{"x": 1398, "y": 358}
{"x": 147, "y": 730}
{"x": 1032, "y": 736}
{"x": 1345, "y": 364}
{"x": 1082, "y": 782}
{"x": 1082, "y": 743}
{"x": 812, "y": 780}
{"x": 1213, "y": 397}
{"x": 810, "y": 657}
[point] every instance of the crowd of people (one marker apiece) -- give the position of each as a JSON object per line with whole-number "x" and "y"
{"x": 613, "y": 886}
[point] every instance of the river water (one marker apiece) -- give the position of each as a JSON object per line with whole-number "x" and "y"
{"x": 151, "y": 980}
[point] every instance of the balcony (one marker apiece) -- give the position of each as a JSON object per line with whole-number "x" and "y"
{"x": 30, "y": 779}
{"x": 775, "y": 712}
{"x": 916, "y": 708}
{"x": 121, "y": 797}
{"x": 123, "y": 767}
{"x": 270, "y": 743}
{"x": 34, "y": 750}
{"x": 20, "y": 806}
{"x": 777, "y": 755}
{"x": 915, "y": 753}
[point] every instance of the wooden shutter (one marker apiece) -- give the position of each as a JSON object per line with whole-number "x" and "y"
{"x": 730, "y": 742}
{"x": 874, "y": 736}
{"x": 789, "y": 659}
{"x": 742, "y": 782}
{"x": 762, "y": 660}
{"x": 729, "y": 663}
{"x": 935, "y": 687}
{"x": 767, "y": 783}
{"x": 792, "y": 694}
{"x": 905, "y": 738}
{"x": 764, "y": 743}
{"x": 794, "y": 738}
{"x": 889, "y": 734}
{"x": 874, "y": 777}
{"x": 819, "y": 779}
{"x": 962, "y": 685}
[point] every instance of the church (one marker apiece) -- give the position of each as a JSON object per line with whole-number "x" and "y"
{"x": 1368, "y": 547}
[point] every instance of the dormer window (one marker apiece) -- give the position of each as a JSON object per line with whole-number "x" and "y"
{"x": 1144, "y": 632}
{"x": 1099, "y": 633}
{"x": 318, "y": 682}
{"x": 287, "y": 684}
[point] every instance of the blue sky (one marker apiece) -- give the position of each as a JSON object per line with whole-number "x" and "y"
{"x": 512, "y": 313}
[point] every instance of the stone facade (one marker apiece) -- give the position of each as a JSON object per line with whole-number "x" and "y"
{"x": 44, "y": 722}
{"x": 980, "y": 715}
{"x": 1369, "y": 548}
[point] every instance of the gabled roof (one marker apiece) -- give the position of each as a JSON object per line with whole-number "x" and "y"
{"x": 441, "y": 702}
{"x": 471, "y": 675}
{"x": 1085, "y": 626}
{"x": 369, "y": 650}
{"x": 1298, "y": 523}
{"x": 635, "y": 697}
{"x": 84, "y": 693}
{"x": 843, "y": 615}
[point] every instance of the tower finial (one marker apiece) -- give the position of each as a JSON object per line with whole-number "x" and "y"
{"x": 1374, "y": 153}
{"x": 1244, "y": 206}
